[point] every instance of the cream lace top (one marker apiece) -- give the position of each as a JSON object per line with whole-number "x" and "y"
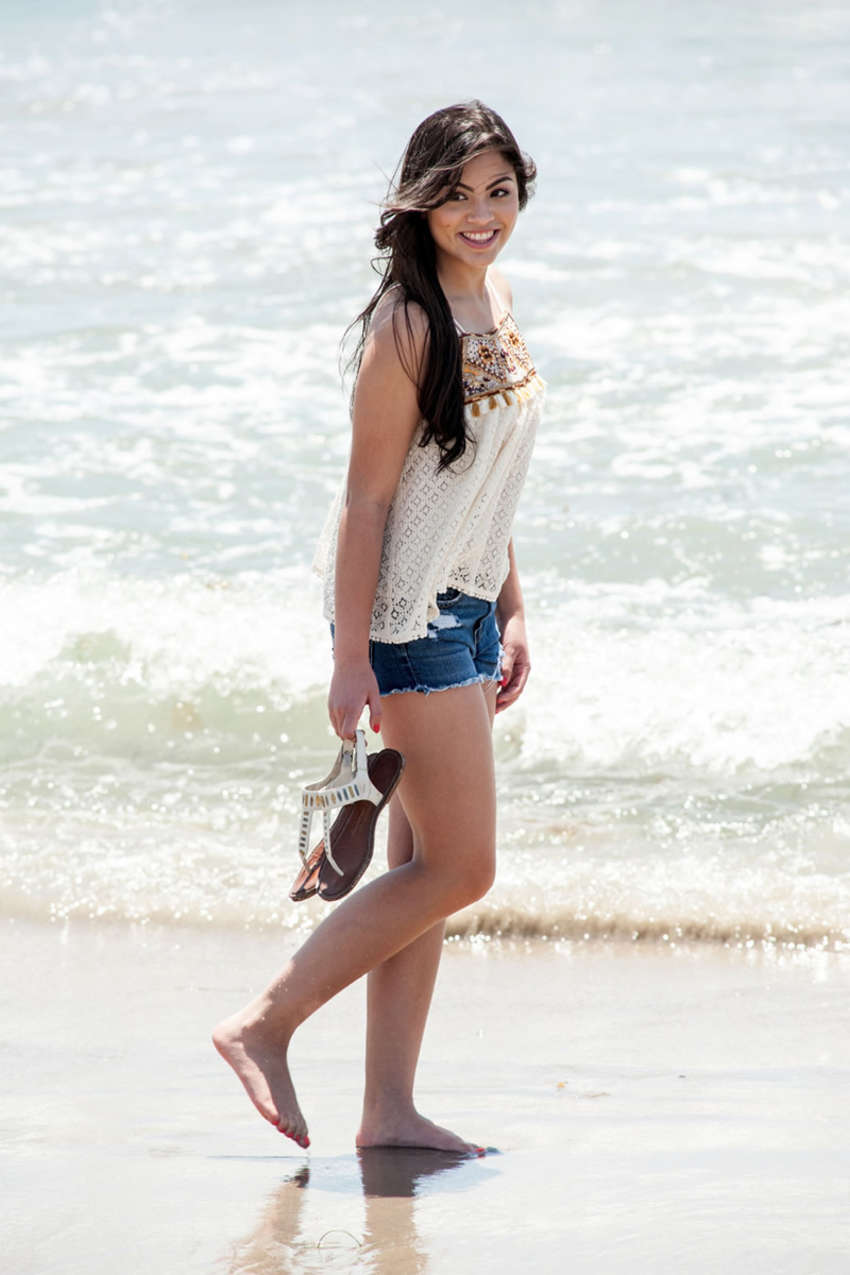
{"x": 451, "y": 529}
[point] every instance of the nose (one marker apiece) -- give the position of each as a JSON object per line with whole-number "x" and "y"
{"x": 479, "y": 209}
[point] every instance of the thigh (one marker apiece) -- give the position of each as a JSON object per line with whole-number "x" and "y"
{"x": 400, "y": 842}
{"x": 491, "y": 692}
{"x": 447, "y": 789}
{"x": 399, "y": 835}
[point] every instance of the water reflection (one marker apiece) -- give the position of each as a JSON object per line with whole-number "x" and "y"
{"x": 398, "y": 1172}
{"x": 298, "y": 1231}
{"x": 392, "y": 1178}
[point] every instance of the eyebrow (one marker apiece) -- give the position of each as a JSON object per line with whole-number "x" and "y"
{"x": 494, "y": 182}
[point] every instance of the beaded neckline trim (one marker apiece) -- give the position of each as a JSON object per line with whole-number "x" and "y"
{"x": 496, "y": 365}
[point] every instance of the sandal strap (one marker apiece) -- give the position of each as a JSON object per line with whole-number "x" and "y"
{"x": 328, "y": 852}
{"x": 327, "y": 800}
{"x": 347, "y": 782}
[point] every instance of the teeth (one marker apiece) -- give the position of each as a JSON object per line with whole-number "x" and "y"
{"x": 478, "y": 235}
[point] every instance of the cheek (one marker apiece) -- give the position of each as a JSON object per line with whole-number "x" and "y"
{"x": 434, "y": 224}
{"x": 440, "y": 226}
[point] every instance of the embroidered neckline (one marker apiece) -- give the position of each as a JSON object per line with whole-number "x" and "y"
{"x": 496, "y": 367}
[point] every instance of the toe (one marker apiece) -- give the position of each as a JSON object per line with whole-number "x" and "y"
{"x": 295, "y": 1132}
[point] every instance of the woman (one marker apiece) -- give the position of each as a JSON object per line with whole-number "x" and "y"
{"x": 419, "y": 572}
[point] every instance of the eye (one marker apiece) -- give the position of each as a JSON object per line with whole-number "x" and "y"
{"x": 455, "y": 194}
{"x": 501, "y": 191}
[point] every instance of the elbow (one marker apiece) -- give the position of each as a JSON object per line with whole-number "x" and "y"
{"x": 367, "y": 507}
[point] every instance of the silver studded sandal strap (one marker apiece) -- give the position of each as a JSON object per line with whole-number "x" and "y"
{"x": 304, "y": 833}
{"x": 366, "y": 789}
{"x": 328, "y": 851}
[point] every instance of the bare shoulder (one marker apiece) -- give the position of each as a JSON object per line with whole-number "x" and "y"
{"x": 503, "y": 288}
{"x": 385, "y": 413}
{"x": 399, "y": 327}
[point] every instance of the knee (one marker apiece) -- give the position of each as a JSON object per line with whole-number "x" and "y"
{"x": 471, "y": 878}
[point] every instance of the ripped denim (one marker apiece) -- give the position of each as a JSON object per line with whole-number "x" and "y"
{"x": 461, "y": 647}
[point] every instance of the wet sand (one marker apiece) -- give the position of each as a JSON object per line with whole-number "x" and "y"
{"x": 654, "y": 1109}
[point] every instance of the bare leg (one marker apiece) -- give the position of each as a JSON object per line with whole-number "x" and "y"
{"x": 399, "y": 998}
{"x": 448, "y": 795}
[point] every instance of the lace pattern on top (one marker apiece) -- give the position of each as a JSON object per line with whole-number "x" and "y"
{"x": 451, "y": 528}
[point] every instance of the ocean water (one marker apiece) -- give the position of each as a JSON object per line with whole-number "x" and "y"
{"x": 188, "y": 193}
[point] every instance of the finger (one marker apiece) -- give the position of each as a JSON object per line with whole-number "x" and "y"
{"x": 339, "y": 723}
{"x": 503, "y": 698}
{"x": 347, "y": 722}
{"x": 512, "y": 691}
{"x": 375, "y": 710}
{"x": 517, "y": 685}
{"x": 505, "y": 701}
{"x": 337, "y": 712}
{"x": 509, "y": 692}
{"x": 510, "y": 674}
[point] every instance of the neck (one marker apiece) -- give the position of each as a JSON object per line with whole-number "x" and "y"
{"x": 459, "y": 281}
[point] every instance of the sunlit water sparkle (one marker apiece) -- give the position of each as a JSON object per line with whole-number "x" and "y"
{"x": 188, "y": 201}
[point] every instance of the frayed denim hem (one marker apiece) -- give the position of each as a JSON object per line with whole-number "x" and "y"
{"x": 478, "y": 680}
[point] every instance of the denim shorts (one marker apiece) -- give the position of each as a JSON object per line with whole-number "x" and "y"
{"x": 462, "y": 647}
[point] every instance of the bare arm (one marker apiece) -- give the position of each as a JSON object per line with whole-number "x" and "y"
{"x": 385, "y": 417}
{"x": 510, "y": 613}
{"x": 510, "y": 608}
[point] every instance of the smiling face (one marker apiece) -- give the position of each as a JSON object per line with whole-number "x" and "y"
{"x": 475, "y": 221}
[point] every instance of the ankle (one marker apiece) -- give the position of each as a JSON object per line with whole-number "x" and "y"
{"x": 261, "y": 1019}
{"x": 386, "y": 1102}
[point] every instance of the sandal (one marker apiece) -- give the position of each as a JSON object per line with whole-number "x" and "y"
{"x": 382, "y": 769}
{"x": 362, "y": 786}
{"x": 306, "y": 884}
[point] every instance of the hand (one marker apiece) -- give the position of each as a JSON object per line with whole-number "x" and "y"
{"x": 353, "y": 686}
{"x": 516, "y": 663}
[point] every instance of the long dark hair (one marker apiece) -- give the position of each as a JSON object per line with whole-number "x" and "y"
{"x": 434, "y": 159}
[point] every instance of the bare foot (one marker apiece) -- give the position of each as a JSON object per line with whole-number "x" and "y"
{"x": 259, "y": 1060}
{"x": 409, "y": 1129}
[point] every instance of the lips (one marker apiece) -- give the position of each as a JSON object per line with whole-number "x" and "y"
{"x": 478, "y": 238}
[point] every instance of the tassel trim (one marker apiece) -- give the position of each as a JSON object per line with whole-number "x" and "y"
{"x": 505, "y": 397}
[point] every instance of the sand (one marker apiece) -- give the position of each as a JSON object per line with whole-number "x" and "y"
{"x": 654, "y": 1109}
